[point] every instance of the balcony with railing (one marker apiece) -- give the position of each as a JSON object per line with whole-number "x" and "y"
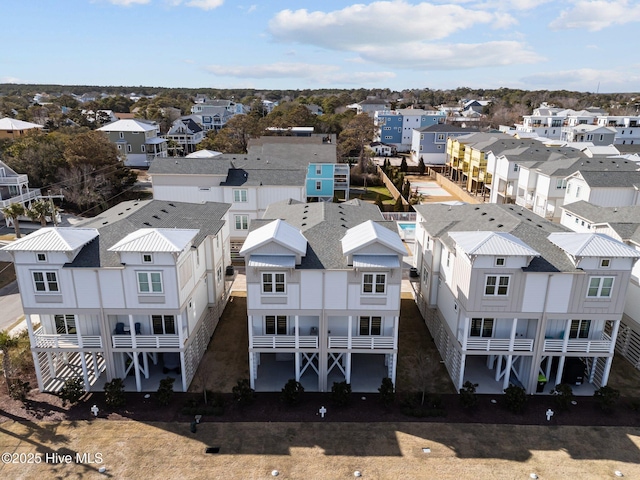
{"x": 369, "y": 342}
{"x": 145, "y": 341}
{"x": 500, "y": 344}
{"x": 22, "y": 198}
{"x": 66, "y": 341}
{"x": 13, "y": 180}
{"x": 579, "y": 345}
{"x": 283, "y": 341}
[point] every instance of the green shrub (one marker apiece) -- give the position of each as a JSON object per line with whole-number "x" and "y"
{"x": 468, "y": 397}
{"x": 606, "y": 397}
{"x": 387, "y": 392}
{"x": 114, "y": 393}
{"x": 243, "y": 394}
{"x": 18, "y": 390}
{"x": 515, "y": 399}
{"x": 72, "y": 391}
{"x": 563, "y": 396}
{"x": 341, "y": 393}
{"x": 291, "y": 392}
{"x": 165, "y": 391}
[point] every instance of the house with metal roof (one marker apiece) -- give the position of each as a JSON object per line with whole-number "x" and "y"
{"x": 12, "y": 128}
{"x": 137, "y": 141}
{"x": 272, "y": 171}
{"x": 513, "y": 299}
{"x": 134, "y": 293}
{"x": 323, "y": 296}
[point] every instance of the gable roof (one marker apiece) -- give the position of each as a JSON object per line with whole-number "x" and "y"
{"x": 51, "y": 239}
{"x": 155, "y": 240}
{"x": 277, "y": 231}
{"x": 8, "y": 123}
{"x": 370, "y": 232}
{"x": 492, "y": 243}
{"x": 127, "y": 125}
{"x": 591, "y": 245}
{"x": 610, "y": 179}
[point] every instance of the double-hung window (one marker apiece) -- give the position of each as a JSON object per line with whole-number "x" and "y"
{"x": 497, "y": 285}
{"x": 242, "y": 222}
{"x": 275, "y": 325}
{"x": 579, "y": 328}
{"x": 600, "y": 287}
{"x": 274, "y": 282}
{"x": 149, "y": 282}
{"x": 240, "y": 195}
{"x": 370, "y": 326}
{"x": 163, "y": 324}
{"x": 481, "y": 327}
{"x": 375, "y": 283}
{"x": 46, "y": 282}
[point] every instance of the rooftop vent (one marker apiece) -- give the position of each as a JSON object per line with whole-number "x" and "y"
{"x": 156, "y": 217}
{"x": 147, "y": 224}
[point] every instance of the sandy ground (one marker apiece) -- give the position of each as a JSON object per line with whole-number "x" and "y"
{"x": 315, "y": 451}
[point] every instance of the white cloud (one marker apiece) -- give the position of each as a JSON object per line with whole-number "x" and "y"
{"x": 585, "y": 79}
{"x": 8, "y": 79}
{"x": 252, "y": 8}
{"x": 356, "y": 25}
{"x": 596, "y": 15}
{"x": 320, "y": 74}
{"x": 203, "y": 4}
{"x": 127, "y": 3}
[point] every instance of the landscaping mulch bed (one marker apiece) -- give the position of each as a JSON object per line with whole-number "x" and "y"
{"x": 268, "y": 407}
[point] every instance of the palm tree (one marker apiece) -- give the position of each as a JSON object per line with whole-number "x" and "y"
{"x": 12, "y": 212}
{"x": 39, "y": 211}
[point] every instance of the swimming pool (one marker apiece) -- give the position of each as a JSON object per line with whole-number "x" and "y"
{"x": 407, "y": 230}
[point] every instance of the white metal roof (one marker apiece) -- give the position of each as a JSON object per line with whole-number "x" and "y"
{"x": 491, "y": 243}
{"x": 63, "y": 239}
{"x": 127, "y": 125}
{"x": 155, "y": 240}
{"x": 277, "y": 231}
{"x": 204, "y": 154}
{"x": 591, "y": 245}
{"x": 376, "y": 261}
{"x": 13, "y": 124}
{"x": 371, "y": 232}
{"x": 269, "y": 261}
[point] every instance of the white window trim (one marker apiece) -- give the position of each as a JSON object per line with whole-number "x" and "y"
{"x": 600, "y": 286}
{"x": 274, "y": 283}
{"x": 602, "y": 260}
{"x": 43, "y": 259}
{"x": 144, "y": 260}
{"x": 46, "y": 281}
{"x": 482, "y": 329}
{"x": 240, "y": 195}
{"x": 243, "y": 225}
{"x": 496, "y": 286}
{"x": 68, "y": 321}
{"x": 276, "y": 319}
{"x": 374, "y": 283}
{"x": 579, "y": 324}
{"x": 149, "y": 282}
{"x": 369, "y": 320}
{"x": 498, "y": 264}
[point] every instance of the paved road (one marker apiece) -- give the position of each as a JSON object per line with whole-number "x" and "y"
{"x": 10, "y": 305}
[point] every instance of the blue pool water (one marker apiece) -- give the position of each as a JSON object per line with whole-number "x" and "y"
{"x": 407, "y": 226}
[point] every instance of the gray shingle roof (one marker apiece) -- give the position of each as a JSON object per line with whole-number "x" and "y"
{"x": 611, "y": 179}
{"x": 522, "y": 223}
{"x": 323, "y": 225}
{"x": 127, "y": 217}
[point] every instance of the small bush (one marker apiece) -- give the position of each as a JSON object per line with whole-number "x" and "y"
{"x": 634, "y": 405}
{"x": 165, "y": 391}
{"x": 433, "y": 406}
{"x": 243, "y": 394}
{"x": 341, "y": 393}
{"x": 606, "y": 397}
{"x": 515, "y": 399}
{"x": 563, "y": 396}
{"x": 292, "y": 392}
{"x": 468, "y": 397}
{"x": 72, "y": 391}
{"x": 18, "y": 390}
{"x": 114, "y": 393}
{"x": 387, "y": 392}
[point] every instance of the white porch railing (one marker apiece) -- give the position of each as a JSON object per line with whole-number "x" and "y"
{"x": 283, "y": 341}
{"x": 14, "y": 180}
{"x": 146, "y": 341}
{"x": 22, "y": 198}
{"x": 580, "y": 345}
{"x": 44, "y": 340}
{"x": 368, "y": 342}
{"x": 500, "y": 344}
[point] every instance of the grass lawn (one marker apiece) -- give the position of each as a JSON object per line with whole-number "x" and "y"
{"x": 129, "y": 449}
{"x": 372, "y": 193}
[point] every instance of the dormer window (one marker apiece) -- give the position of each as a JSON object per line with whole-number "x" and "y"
{"x": 147, "y": 258}
{"x": 605, "y": 262}
{"x": 41, "y": 257}
{"x": 500, "y": 261}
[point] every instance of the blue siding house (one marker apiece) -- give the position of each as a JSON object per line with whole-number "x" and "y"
{"x": 396, "y": 126}
{"x": 430, "y": 143}
{"x": 324, "y": 179}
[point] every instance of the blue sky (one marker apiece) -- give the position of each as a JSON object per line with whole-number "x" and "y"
{"x": 285, "y": 44}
